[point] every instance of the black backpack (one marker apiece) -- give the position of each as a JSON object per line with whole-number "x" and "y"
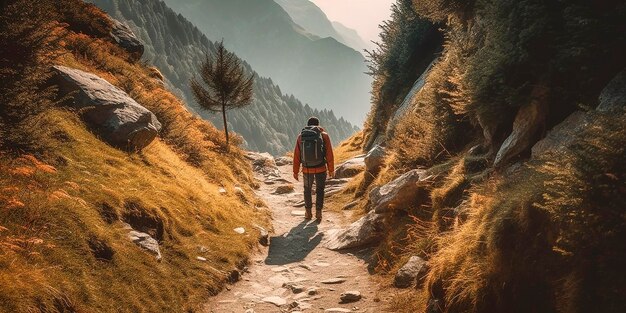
{"x": 312, "y": 151}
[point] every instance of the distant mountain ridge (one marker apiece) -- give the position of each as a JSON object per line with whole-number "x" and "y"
{"x": 324, "y": 73}
{"x": 176, "y": 47}
{"x": 308, "y": 15}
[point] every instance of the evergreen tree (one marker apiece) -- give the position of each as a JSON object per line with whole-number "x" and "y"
{"x": 228, "y": 87}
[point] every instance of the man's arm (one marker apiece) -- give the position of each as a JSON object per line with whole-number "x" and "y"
{"x": 330, "y": 156}
{"x": 296, "y": 159}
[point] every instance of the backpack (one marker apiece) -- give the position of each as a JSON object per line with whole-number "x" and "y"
{"x": 312, "y": 151}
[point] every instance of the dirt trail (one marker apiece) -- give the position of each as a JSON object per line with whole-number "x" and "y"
{"x": 297, "y": 257}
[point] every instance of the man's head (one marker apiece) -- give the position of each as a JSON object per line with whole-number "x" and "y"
{"x": 313, "y": 121}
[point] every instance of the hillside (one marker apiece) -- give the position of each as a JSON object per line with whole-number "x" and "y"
{"x": 351, "y": 37}
{"x": 495, "y": 173}
{"x": 319, "y": 71}
{"x": 176, "y": 47}
{"x": 87, "y": 222}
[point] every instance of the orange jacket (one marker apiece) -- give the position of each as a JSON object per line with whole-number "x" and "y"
{"x": 330, "y": 158}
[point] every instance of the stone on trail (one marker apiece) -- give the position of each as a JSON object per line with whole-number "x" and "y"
{"x": 275, "y": 300}
{"x": 350, "y": 205}
{"x": 409, "y": 274}
{"x": 283, "y": 189}
{"x": 263, "y": 163}
{"x": 146, "y": 242}
{"x": 109, "y": 111}
{"x": 350, "y": 296}
{"x": 365, "y": 231}
{"x": 297, "y": 212}
{"x": 312, "y": 291}
{"x": 338, "y": 310}
{"x": 284, "y": 161}
{"x": 335, "y": 280}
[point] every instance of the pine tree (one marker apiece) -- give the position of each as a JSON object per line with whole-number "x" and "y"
{"x": 227, "y": 85}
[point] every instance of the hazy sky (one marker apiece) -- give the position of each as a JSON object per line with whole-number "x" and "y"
{"x": 362, "y": 15}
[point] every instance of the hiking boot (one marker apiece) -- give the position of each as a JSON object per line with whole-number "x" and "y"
{"x": 318, "y": 216}
{"x": 308, "y": 215}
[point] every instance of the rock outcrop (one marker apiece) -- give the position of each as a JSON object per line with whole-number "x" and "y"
{"x": 146, "y": 242}
{"x": 126, "y": 39}
{"x": 364, "y": 231}
{"x": 411, "y": 273}
{"x": 374, "y": 159}
{"x": 402, "y": 191}
{"x": 530, "y": 119}
{"x": 264, "y": 163}
{"x": 613, "y": 96}
{"x": 111, "y": 112}
{"x": 351, "y": 167}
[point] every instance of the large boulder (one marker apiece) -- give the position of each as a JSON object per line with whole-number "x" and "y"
{"x": 530, "y": 119}
{"x": 367, "y": 230}
{"x": 351, "y": 167}
{"x": 375, "y": 158}
{"x": 410, "y": 273}
{"x": 126, "y": 39}
{"x": 563, "y": 134}
{"x": 613, "y": 96}
{"x": 263, "y": 163}
{"x": 111, "y": 112}
{"x": 402, "y": 191}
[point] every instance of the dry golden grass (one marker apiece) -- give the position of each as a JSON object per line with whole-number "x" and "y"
{"x": 63, "y": 246}
{"x": 349, "y": 148}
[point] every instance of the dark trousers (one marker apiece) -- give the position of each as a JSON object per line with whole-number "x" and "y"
{"x": 320, "y": 183}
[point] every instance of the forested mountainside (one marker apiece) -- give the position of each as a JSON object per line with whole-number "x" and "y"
{"x": 503, "y": 186}
{"x": 176, "y": 47}
{"x": 319, "y": 71}
{"x": 308, "y": 15}
{"x": 92, "y": 220}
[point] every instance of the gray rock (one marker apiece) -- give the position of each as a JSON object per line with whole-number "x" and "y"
{"x": 284, "y": 161}
{"x": 350, "y": 168}
{"x": 337, "y": 181}
{"x": 275, "y": 300}
{"x": 563, "y": 134}
{"x": 350, "y": 296}
{"x": 263, "y": 163}
{"x": 294, "y": 287}
{"x": 112, "y": 114}
{"x": 375, "y": 159}
{"x": 126, "y": 39}
{"x": 401, "y": 191}
{"x": 530, "y": 119}
{"x": 409, "y": 273}
{"x": 365, "y": 231}
{"x": 146, "y": 242}
{"x": 613, "y": 96}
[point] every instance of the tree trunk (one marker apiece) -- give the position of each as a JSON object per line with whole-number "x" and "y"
{"x": 225, "y": 126}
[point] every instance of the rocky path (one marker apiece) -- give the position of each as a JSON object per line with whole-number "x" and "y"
{"x": 296, "y": 273}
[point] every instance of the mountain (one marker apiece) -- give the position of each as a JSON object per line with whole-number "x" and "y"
{"x": 351, "y": 37}
{"x": 176, "y": 47}
{"x": 308, "y": 15}
{"x": 322, "y": 72}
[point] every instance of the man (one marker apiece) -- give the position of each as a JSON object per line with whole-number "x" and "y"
{"x": 315, "y": 153}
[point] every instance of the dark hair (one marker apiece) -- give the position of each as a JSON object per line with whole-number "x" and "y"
{"x": 313, "y": 121}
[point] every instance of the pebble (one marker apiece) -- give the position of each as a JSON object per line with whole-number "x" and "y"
{"x": 199, "y": 258}
{"x": 335, "y": 280}
{"x": 312, "y": 291}
{"x": 338, "y": 310}
{"x": 297, "y": 212}
{"x": 240, "y": 230}
{"x": 350, "y": 296}
{"x": 275, "y": 300}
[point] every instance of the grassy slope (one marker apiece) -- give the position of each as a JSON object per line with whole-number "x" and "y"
{"x": 63, "y": 208}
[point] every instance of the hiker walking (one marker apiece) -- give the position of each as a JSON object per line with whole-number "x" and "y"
{"x": 315, "y": 152}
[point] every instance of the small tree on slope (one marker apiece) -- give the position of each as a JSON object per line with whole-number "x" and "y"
{"x": 227, "y": 85}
